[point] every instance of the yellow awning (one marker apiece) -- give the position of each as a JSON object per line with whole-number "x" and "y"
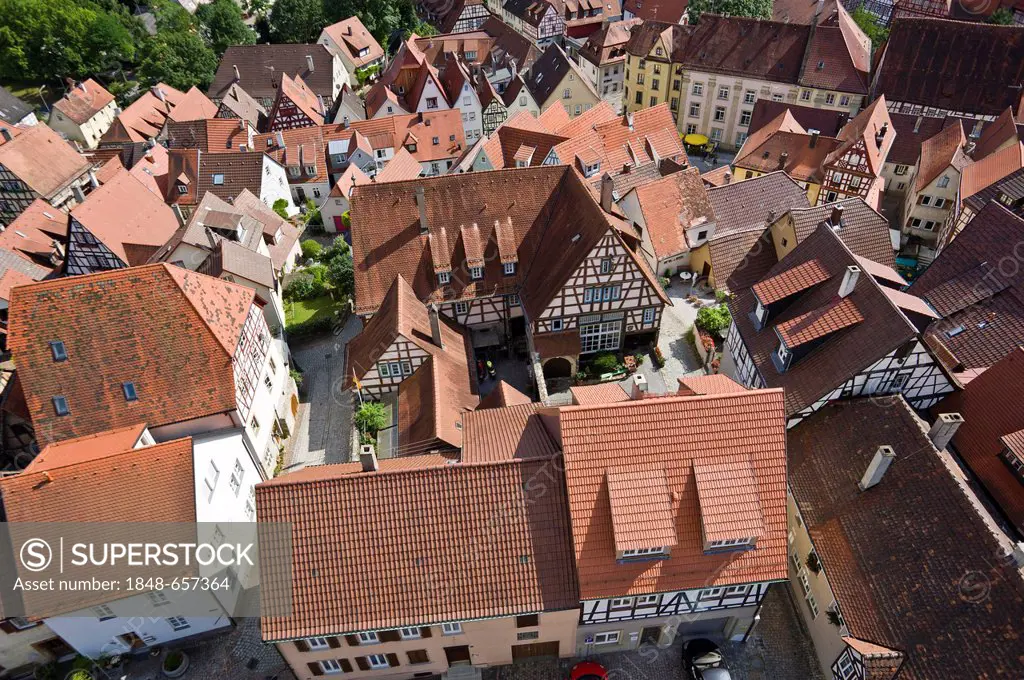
{"x": 695, "y": 139}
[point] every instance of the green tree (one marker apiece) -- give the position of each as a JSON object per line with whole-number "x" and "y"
{"x": 297, "y": 21}
{"x": 220, "y": 24}
{"x": 713, "y": 319}
{"x": 758, "y": 9}
{"x": 1002, "y": 16}
{"x": 381, "y": 17}
{"x": 371, "y": 417}
{"x": 311, "y": 250}
{"x": 341, "y": 275}
{"x": 170, "y": 16}
{"x": 281, "y": 208}
{"x": 869, "y": 23}
{"x": 179, "y": 59}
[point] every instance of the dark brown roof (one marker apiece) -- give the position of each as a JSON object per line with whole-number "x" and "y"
{"x": 825, "y": 121}
{"x": 845, "y": 352}
{"x": 952, "y": 65}
{"x": 435, "y": 554}
{"x": 916, "y": 517}
{"x": 240, "y": 171}
{"x": 240, "y": 103}
{"x": 540, "y": 207}
{"x": 911, "y": 132}
{"x": 261, "y": 66}
{"x": 862, "y": 229}
{"x": 756, "y": 202}
{"x": 547, "y": 73}
{"x": 670, "y": 11}
{"x": 980, "y": 299}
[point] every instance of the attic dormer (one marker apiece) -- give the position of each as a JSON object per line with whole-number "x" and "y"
{"x": 643, "y": 513}
{"x": 731, "y": 515}
{"x": 777, "y": 292}
{"x": 437, "y": 242}
{"x": 473, "y": 248}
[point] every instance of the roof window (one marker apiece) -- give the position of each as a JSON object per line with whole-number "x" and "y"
{"x": 58, "y": 350}
{"x": 60, "y": 406}
{"x": 129, "y": 391}
{"x": 218, "y": 179}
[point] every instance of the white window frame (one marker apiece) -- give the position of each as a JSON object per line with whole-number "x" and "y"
{"x": 697, "y": 89}
{"x": 557, "y": 325}
{"x": 383, "y": 369}
{"x": 649, "y": 315}
{"x": 368, "y": 638}
{"x": 237, "y": 473}
{"x": 607, "y": 637}
{"x": 444, "y": 277}
{"x": 317, "y": 643}
{"x": 476, "y": 273}
{"x": 601, "y": 336}
{"x": 648, "y": 600}
{"x": 643, "y": 552}
{"x": 509, "y": 268}
{"x": 409, "y": 633}
{"x": 451, "y": 628}
{"x": 329, "y": 666}
{"x": 749, "y": 97}
{"x": 377, "y": 661}
{"x": 213, "y": 472}
{"x": 462, "y": 308}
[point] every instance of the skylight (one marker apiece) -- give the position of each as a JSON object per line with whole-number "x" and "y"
{"x": 58, "y": 350}
{"x": 218, "y": 179}
{"x": 60, "y": 406}
{"x": 129, "y": 391}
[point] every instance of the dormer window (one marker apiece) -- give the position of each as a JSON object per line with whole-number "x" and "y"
{"x": 431, "y": 102}
{"x": 761, "y": 314}
{"x": 58, "y": 350}
{"x": 730, "y": 544}
{"x": 509, "y": 268}
{"x": 476, "y": 272}
{"x": 310, "y": 169}
{"x": 130, "y": 394}
{"x": 294, "y": 171}
{"x": 643, "y": 552}
{"x": 411, "y": 148}
{"x": 782, "y": 355}
{"x": 182, "y": 189}
{"x": 444, "y": 277}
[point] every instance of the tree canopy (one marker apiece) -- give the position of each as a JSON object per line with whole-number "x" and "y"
{"x": 758, "y": 9}
{"x": 297, "y": 21}
{"x": 179, "y": 59}
{"x": 869, "y": 23}
{"x": 220, "y": 24}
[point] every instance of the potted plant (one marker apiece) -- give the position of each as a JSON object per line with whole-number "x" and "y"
{"x": 175, "y": 664}
{"x": 833, "y": 618}
{"x": 813, "y": 563}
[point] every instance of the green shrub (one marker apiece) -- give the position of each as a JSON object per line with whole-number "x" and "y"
{"x": 296, "y": 376}
{"x": 281, "y": 208}
{"x": 721, "y": 296}
{"x": 80, "y": 675}
{"x": 173, "y": 661}
{"x": 306, "y": 285}
{"x": 341, "y": 275}
{"x": 311, "y": 327}
{"x": 337, "y": 248}
{"x": 713, "y": 319}
{"x": 371, "y": 417}
{"x": 311, "y": 250}
{"x": 605, "y": 363}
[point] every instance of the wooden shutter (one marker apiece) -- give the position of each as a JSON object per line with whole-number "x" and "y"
{"x": 346, "y": 665}
{"x": 352, "y": 640}
{"x": 302, "y": 645}
{"x": 425, "y": 631}
{"x": 389, "y": 636}
{"x": 333, "y": 642}
{"x": 363, "y": 664}
{"x": 314, "y": 668}
{"x": 417, "y": 656}
{"x": 392, "y": 659}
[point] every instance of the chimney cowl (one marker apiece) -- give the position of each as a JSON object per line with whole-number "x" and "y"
{"x": 835, "y": 220}
{"x": 421, "y": 202}
{"x": 368, "y": 458}
{"x": 238, "y": 76}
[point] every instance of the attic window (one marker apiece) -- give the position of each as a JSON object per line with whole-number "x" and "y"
{"x": 182, "y": 189}
{"x": 730, "y": 544}
{"x": 954, "y": 331}
{"x": 60, "y": 406}
{"x": 436, "y": 141}
{"x": 476, "y": 272}
{"x": 58, "y": 350}
{"x": 642, "y": 552}
{"x": 129, "y": 391}
{"x": 218, "y": 179}
{"x": 451, "y": 138}
{"x": 444, "y": 277}
{"x": 821, "y": 65}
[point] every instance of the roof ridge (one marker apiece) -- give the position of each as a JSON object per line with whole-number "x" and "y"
{"x": 672, "y": 398}
{"x": 284, "y": 481}
{"x": 103, "y": 456}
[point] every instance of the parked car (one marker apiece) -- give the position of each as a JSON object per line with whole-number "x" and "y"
{"x": 702, "y": 660}
{"x": 588, "y": 670}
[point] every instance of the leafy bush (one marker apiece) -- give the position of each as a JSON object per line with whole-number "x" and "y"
{"x": 173, "y": 661}
{"x": 365, "y": 74}
{"x": 371, "y": 417}
{"x": 80, "y": 675}
{"x": 281, "y": 208}
{"x": 337, "y": 248}
{"x": 311, "y": 327}
{"x": 341, "y": 276}
{"x": 313, "y": 217}
{"x": 306, "y": 285}
{"x": 658, "y": 358}
{"x": 311, "y": 250}
{"x": 605, "y": 363}
{"x": 296, "y": 376}
{"x": 721, "y": 296}
{"x": 713, "y": 319}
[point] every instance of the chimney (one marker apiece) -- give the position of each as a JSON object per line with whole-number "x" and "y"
{"x": 435, "y": 326}
{"x": 93, "y": 181}
{"x": 348, "y": 30}
{"x": 884, "y": 457}
{"x": 238, "y": 76}
{"x": 241, "y": 124}
{"x": 76, "y": 191}
{"x": 783, "y": 157}
{"x": 917, "y": 124}
{"x": 849, "y": 280}
{"x": 607, "y": 192}
{"x": 421, "y": 201}
{"x": 159, "y": 94}
{"x": 368, "y": 458}
{"x": 279, "y": 139}
{"x": 639, "y": 387}
{"x": 309, "y": 63}
{"x": 944, "y": 428}
{"x": 629, "y": 120}
{"x": 836, "y": 219}
{"x": 176, "y": 209}
{"x": 345, "y": 122}
{"x": 814, "y": 137}
{"x": 727, "y": 177}
{"x": 6, "y": 134}
{"x": 82, "y": 86}
{"x": 880, "y": 135}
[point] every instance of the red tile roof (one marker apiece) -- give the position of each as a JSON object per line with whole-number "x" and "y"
{"x": 303, "y": 147}
{"x": 503, "y": 394}
{"x": 918, "y": 517}
{"x": 716, "y": 383}
{"x": 819, "y": 323}
{"x": 511, "y": 432}
{"x": 729, "y": 497}
{"x": 193, "y": 105}
{"x": 604, "y": 393}
{"x": 216, "y": 135}
{"x": 911, "y": 132}
{"x": 296, "y": 91}
{"x": 991, "y": 169}
{"x": 352, "y": 35}
{"x": 177, "y": 351}
{"x": 670, "y": 434}
{"x": 1003, "y": 130}
{"x": 87, "y": 448}
{"x": 862, "y": 228}
{"x": 435, "y": 554}
{"x": 22, "y": 156}
{"x": 402, "y": 166}
{"x": 993, "y": 409}
{"x": 11, "y": 278}
{"x": 261, "y": 67}
{"x": 671, "y": 206}
{"x": 145, "y": 117}
{"x": 641, "y": 508}
{"x": 939, "y": 152}
{"x": 790, "y": 282}
{"x": 394, "y": 132}
{"x": 432, "y": 403}
{"x": 83, "y": 101}
{"x": 32, "y": 233}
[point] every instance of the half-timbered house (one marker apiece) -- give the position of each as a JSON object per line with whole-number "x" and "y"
{"x": 538, "y": 20}
{"x": 301, "y": 152}
{"x": 826, "y": 324}
{"x": 237, "y": 103}
{"x": 455, "y": 16}
{"x": 36, "y": 163}
{"x": 854, "y": 169}
{"x": 519, "y": 256}
{"x": 296, "y": 106}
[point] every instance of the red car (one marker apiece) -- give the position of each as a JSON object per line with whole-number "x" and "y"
{"x": 588, "y": 670}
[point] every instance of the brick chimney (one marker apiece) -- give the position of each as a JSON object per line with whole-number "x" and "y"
{"x": 639, "y": 388}
{"x": 814, "y": 137}
{"x": 368, "y": 458}
{"x": 849, "y": 280}
{"x": 835, "y": 220}
{"x": 944, "y": 428}
{"x": 607, "y": 192}
{"x": 783, "y": 157}
{"x": 880, "y": 135}
{"x": 883, "y": 458}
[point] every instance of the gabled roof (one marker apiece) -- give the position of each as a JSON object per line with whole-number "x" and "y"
{"x": 755, "y": 203}
{"x": 673, "y": 205}
{"x": 602, "y": 393}
{"x": 826, "y": 121}
{"x": 40, "y": 158}
{"x": 403, "y": 165}
{"x": 664, "y": 435}
{"x": 349, "y": 179}
{"x": 993, "y": 409}
{"x": 279, "y": 234}
{"x": 31, "y": 236}
{"x": 979, "y": 69}
{"x": 216, "y": 135}
{"x": 352, "y": 35}
{"x": 11, "y": 278}
{"x": 1003, "y": 131}
{"x": 545, "y": 208}
{"x": 83, "y": 101}
{"x": 241, "y": 104}
{"x": 145, "y": 117}
{"x": 224, "y": 174}
{"x": 861, "y": 228}
{"x": 838, "y": 55}
{"x": 991, "y": 169}
{"x": 419, "y": 128}
{"x": 848, "y": 348}
{"x": 261, "y": 68}
{"x": 944, "y": 150}
{"x": 911, "y": 132}
{"x": 303, "y": 147}
{"x": 127, "y": 218}
{"x": 425, "y": 525}
{"x": 547, "y": 74}
{"x": 982, "y": 304}
{"x": 88, "y": 448}
{"x": 432, "y": 402}
{"x": 503, "y": 394}
{"x": 670, "y": 11}
{"x": 870, "y": 130}
{"x": 299, "y": 94}
{"x": 715, "y": 383}
{"x": 917, "y": 516}
{"x": 194, "y": 105}
{"x": 177, "y": 351}
{"x": 231, "y": 260}
{"x": 510, "y": 432}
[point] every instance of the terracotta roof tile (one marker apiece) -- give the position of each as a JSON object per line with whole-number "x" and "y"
{"x": 730, "y": 503}
{"x": 238, "y": 261}
{"x": 432, "y": 402}
{"x": 177, "y": 352}
{"x": 83, "y": 101}
{"x": 503, "y": 394}
{"x": 671, "y": 11}
{"x": 193, "y": 105}
{"x": 670, "y": 433}
{"x": 392, "y": 132}
{"x": 939, "y": 152}
{"x": 145, "y": 117}
{"x": 911, "y": 132}
{"x": 1002, "y": 131}
{"x": 430, "y": 528}
{"x": 641, "y": 508}
{"x": 303, "y": 147}
{"x": 296, "y": 91}
{"x": 991, "y": 169}
{"x": 862, "y": 228}
{"x": 240, "y": 103}
{"x": 352, "y": 35}
{"x": 506, "y": 433}
{"x": 402, "y": 166}
{"x": 716, "y": 383}
{"x": 604, "y": 393}
{"x": 756, "y": 202}
{"x": 790, "y": 282}
{"x": 917, "y": 516}
{"x": 88, "y": 448}
{"x": 216, "y": 135}
{"x": 819, "y": 323}
{"x": 673, "y": 205}
{"x": 21, "y": 156}
{"x": 32, "y": 233}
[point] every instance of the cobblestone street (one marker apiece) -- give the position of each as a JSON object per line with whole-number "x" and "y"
{"x": 778, "y": 649}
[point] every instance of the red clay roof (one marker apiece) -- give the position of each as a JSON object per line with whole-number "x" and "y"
{"x": 503, "y": 394}
{"x": 819, "y": 323}
{"x": 177, "y": 351}
{"x": 670, "y": 434}
{"x": 11, "y": 278}
{"x": 730, "y": 500}
{"x": 510, "y": 432}
{"x": 83, "y": 101}
{"x": 193, "y": 105}
{"x": 352, "y": 35}
{"x": 673, "y": 205}
{"x": 145, "y": 117}
{"x": 641, "y": 509}
{"x": 89, "y": 447}
{"x": 32, "y": 233}
{"x": 943, "y": 150}
{"x": 604, "y": 393}
{"x": 432, "y": 403}
{"x": 790, "y": 282}
{"x": 716, "y": 383}
{"x": 429, "y": 528}
{"x": 22, "y": 156}
{"x": 296, "y": 91}
{"x": 918, "y": 517}
{"x": 991, "y": 169}
{"x": 403, "y": 165}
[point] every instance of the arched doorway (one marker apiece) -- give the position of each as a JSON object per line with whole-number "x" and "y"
{"x": 559, "y": 367}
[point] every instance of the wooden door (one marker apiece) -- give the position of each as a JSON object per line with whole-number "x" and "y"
{"x": 534, "y": 649}
{"x": 457, "y": 655}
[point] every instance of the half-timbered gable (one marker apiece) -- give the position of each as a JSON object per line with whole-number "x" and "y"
{"x": 854, "y": 169}
{"x": 296, "y": 106}
{"x": 250, "y": 359}
{"x": 35, "y": 162}
{"x": 821, "y": 324}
